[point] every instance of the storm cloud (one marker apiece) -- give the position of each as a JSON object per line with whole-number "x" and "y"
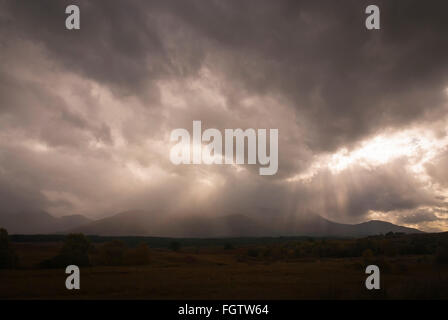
{"x": 85, "y": 115}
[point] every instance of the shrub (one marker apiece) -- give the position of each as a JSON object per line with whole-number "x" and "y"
{"x": 74, "y": 251}
{"x": 389, "y": 248}
{"x": 8, "y": 258}
{"x": 298, "y": 252}
{"x": 367, "y": 254}
{"x": 175, "y": 245}
{"x": 112, "y": 253}
{"x": 442, "y": 255}
{"x": 137, "y": 256}
{"x": 253, "y": 253}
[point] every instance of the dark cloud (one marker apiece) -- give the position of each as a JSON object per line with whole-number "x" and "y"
{"x": 438, "y": 169}
{"x": 85, "y": 114}
{"x": 419, "y": 217}
{"x": 352, "y": 193}
{"x": 346, "y": 82}
{"x": 316, "y": 54}
{"x": 119, "y": 44}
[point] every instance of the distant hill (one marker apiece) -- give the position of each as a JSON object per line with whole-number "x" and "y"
{"x": 40, "y": 222}
{"x": 378, "y": 226}
{"x": 140, "y": 223}
{"x": 314, "y": 225}
{"x": 131, "y": 223}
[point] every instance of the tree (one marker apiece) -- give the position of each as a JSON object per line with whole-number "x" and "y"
{"x": 138, "y": 256}
{"x": 8, "y": 258}
{"x": 442, "y": 255}
{"x": 175, "y": 245}
{"x": 74, "y": 251}
{"x": 368, "y": 255}
{"x": 253, "y": 252}
{"x": 112, "y": 253}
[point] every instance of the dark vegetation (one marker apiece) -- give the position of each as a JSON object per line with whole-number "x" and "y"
{"x": 175, "y": 245}
{"x": 8, "y": 258}
{"x": 389, "y": 245}
{"x": 75, "y": 251}
{"x": 413, "y": 266}
{"x": 78, "y": 250}
{"x": 115, "y": 251}
{"x": 157, "y": 242}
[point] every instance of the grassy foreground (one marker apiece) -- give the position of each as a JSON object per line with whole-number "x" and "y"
{"x": 226, "y": 273}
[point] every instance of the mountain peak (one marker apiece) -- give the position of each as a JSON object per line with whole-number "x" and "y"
{"x": 33, "y": 222}
{"x": 233, "y": 225}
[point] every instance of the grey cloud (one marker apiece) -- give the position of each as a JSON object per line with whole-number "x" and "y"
{"x": 352, "y": 193}
{"x": 419, "y": 217}
{"x": 345, "y": 81}
{"x": 438, "y": 169}
{"x": 316, "y": 54}
{"x": 119, "y": 44}
{"x": 314, "y": 72}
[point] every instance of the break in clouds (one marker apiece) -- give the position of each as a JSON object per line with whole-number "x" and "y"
{"x": 86, "y": 115}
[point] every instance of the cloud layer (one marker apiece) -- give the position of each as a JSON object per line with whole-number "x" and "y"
{"x": 85, "y": 116}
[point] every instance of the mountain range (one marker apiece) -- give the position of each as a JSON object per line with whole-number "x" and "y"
{"x": 40, "y": 222}
{"x": 141, "y": 223}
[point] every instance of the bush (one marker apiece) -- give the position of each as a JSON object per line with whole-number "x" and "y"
{"x": 175, "y": 245}
{"x": 74, "y": 251}
{"x": 8, "y": 258}
{"x": 138, "y": 256}
{"x": 389, "y": 248}
{"x": 367, "y": 254}
{"x": 253, "y": 253}
{"x": 112, "y": 253}
{"x": 298, "y": 252}
{"x": 442, "y": 255}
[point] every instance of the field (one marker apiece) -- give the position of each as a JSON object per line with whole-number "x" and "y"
{"x": 237, "y": 271}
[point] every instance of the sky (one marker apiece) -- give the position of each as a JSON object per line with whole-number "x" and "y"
{"x": 86, "y": 115}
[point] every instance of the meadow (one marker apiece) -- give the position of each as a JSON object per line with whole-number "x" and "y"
{"x": 263, "y": 268}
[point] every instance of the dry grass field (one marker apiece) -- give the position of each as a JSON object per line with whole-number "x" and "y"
{"x": 216, "y": 273}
